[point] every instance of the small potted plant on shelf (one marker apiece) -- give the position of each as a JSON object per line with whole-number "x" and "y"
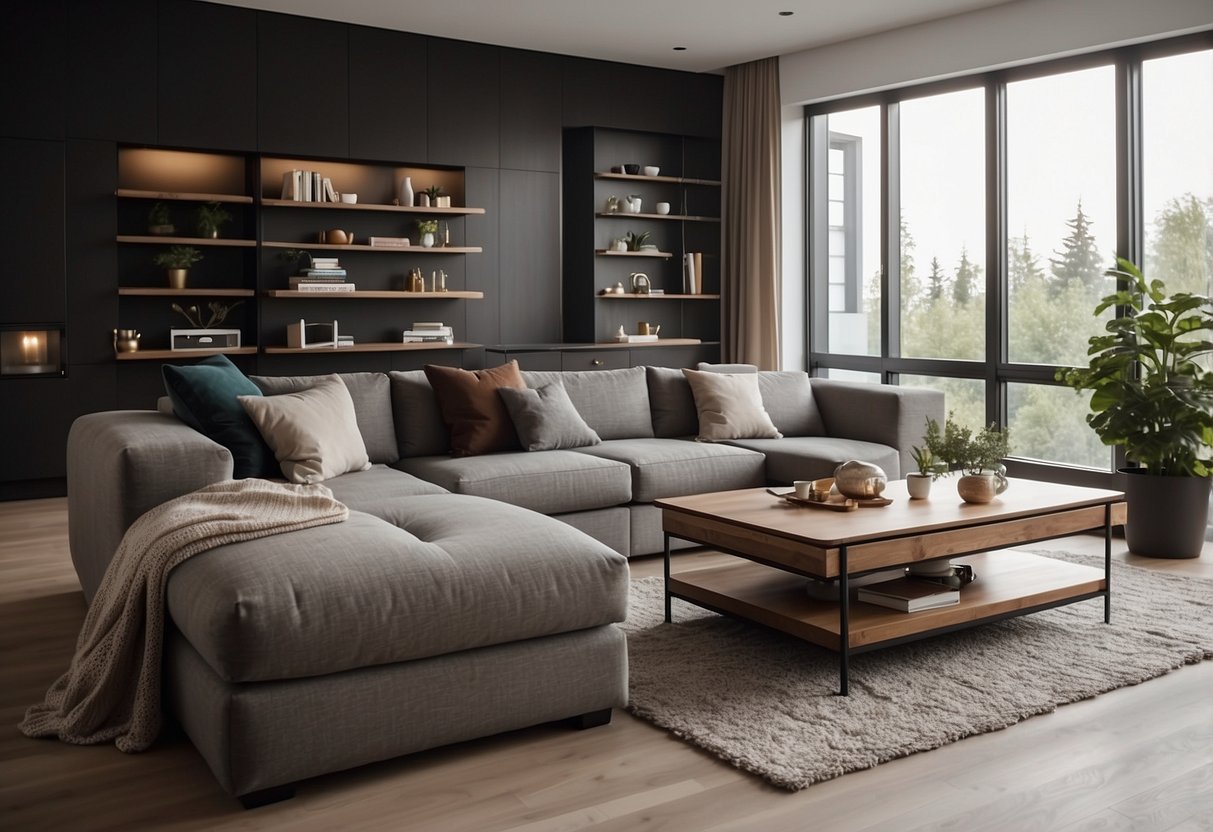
{"x": 177, "y": 261}
{"x": 430, "y": 196}
{"x": 1152, "y": 394}
{"x": 427, "y": 229}
{"x": 159, "y": 221}
{"x": 211, "y": 217}
{"x": 977, "y": 455}
{"x": 636, "y": 241}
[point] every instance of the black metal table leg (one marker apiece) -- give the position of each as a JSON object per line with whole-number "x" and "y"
{"x": 1107, "y": 563}
{"x": 844, "y": 624}
{"x": 668, "y": 618}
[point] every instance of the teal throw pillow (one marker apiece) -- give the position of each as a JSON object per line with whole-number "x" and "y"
{"x": 204, "y": 397}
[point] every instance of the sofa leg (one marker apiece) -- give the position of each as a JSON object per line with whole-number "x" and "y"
{"x": 592, "y": 720}
{"x": 253, "y": 800}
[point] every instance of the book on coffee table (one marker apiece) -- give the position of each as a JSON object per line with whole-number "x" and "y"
{"x": 908, "y": 595}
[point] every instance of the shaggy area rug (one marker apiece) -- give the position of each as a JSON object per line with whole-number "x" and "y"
{"x": 766, "y": 702}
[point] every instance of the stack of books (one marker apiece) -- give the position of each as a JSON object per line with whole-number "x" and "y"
{"x": 909, "y": 595}
{"x": 324, "y": 275}
{"x": 308, "y": 186}
{"x": 692, "y": 273}
{"x": 429, "y": 332}
{"x": 389, "y": 242}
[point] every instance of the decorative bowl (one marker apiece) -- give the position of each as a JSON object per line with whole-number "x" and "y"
{"x": 652, "y": 170}
{"x": 632, "y": 169}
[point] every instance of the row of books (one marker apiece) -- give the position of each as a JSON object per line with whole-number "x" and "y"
{"x": 428, "y": 332}
{"x": 325, "y": 274}
{"x": 308, "y": 186}
{"x": 913, "y": 593}
{"x": 692, "y": 273}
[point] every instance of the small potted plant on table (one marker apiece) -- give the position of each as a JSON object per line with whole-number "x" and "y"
{"x": 177, "y": 261}
{"x": 977, "y": 455}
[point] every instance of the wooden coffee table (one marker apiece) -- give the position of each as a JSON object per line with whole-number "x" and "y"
{"x": 777, "y": 544}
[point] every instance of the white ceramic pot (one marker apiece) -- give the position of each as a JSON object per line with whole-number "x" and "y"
{"x": 919, "y": 486}
{"x": 427, "y": 240}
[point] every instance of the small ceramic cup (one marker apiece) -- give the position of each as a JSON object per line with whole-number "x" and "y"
{"x": 804, "y": 488}
{"x": 651, "y": 170}
{"x": 663, "y": 207}
{"x": 349, "y": 199}
{"x": 631, "y": 169}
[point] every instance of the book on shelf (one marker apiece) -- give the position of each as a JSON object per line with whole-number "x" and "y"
{"x": 908, "y": 595}
{"x": 324, "y": 262}
{"x": 690, "y": 277}
{"x": 303, "y": 278}
{"x": 326, "y": 187}
{"x": 324, "y": 287}
{"x": 430, "y": 325}
{"x": 317, "y": 193}
{"x": 323, "y": 272}
{"x": 388, "y": 242}
{"x": 408, "y": 338}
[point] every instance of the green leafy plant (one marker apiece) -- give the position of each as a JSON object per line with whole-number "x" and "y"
{"x": 211, "y": 218}
{"x": 159, "y": 219}
{"x": 635, "y": 241}
{"x": 219, "y": 313}
{"x": 177, "y": 257}
{"x": 957, "y": 448}
{"x": 1150, "y": 392}
{"x": 293, "y": 256}
{"x": 427, "y": 226}
{"x": 433, "y": 192}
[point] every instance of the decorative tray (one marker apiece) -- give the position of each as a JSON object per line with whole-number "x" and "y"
{"x": 835, "y": 502}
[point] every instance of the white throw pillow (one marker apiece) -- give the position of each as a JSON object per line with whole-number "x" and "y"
{"x": 313, "y": 433}
{"x": 730, "y": 406}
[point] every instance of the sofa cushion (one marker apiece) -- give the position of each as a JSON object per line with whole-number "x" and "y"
{"x": 672, "y": 403}
{"x": 378, "y": 488}
{"x": 787, "y": 397}
{"x": 545, "y": 419}
{"x": 204, "y": 397}
{"x": 730, "y": 406}
{"x": 676, "y": 467}
{"x": 809, "y": 457}
{"x": 550, "y": 482}
{"x": 371, "y": 394}
{"x": 614, "y": 403}
{"x": 421, "y": 581}
{"x": 471, "y": 409}
{"x": 419, "y": 427}
{"x": 313, "y": 432}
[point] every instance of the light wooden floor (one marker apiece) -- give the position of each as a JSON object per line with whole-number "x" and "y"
{"x": 1139, "y": 758}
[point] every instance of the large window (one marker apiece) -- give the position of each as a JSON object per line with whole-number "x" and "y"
{"x": 959, "y": 232}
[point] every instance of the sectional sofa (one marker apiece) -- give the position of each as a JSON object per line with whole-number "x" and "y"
{"x": 465, "y": 596}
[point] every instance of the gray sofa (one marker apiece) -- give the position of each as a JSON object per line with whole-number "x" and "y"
{"x": 464, "y": 596}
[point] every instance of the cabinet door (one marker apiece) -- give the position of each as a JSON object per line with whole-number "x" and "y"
{"x": 111, "y": 82}
{"x": 34, "y": 110}
{"x": 92, "y": 304}
{"x": 35, "y": 291}
{"x": 387, "y": 95}
{"x": 530, "y": 110}
{"x": 208, "y": 56}
{"x": 483, "y": 187}
{"x": 302, "y": 85}
{"x": 612, "y": 359}
{"x": 530, "y": 257}
{"x": 464, "y": 94}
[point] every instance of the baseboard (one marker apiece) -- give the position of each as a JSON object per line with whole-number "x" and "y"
{"x": 33, "y": 489}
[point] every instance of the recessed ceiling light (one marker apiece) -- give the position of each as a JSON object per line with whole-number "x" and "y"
{"x": 786, "y": 14}
{"x": 680, "y": 49}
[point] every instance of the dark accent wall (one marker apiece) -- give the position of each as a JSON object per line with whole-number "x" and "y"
{"x": 87, "y": 76}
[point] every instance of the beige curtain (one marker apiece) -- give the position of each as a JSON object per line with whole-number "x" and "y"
{"x": 749, "y": 253}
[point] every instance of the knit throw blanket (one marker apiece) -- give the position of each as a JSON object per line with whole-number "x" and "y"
{"x": 111, "y": 691}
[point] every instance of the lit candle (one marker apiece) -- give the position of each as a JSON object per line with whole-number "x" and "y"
{"x": 30, "y": 348}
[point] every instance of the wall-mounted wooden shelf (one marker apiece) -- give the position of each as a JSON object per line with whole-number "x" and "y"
{"x": 370, "y": 293}
{"x": 365, "y": 206}
{"x": 620, "y": 215}
{"x": 385, "y": 249}
{"x": 369, "y": 347}
{"x": 602, "y": 252}
{"x": 183, "y": 355}
{"x": 154, "y": 240}
{"x": 147, "y": 291}
{"x": 660, "y": 342}
{"x": 637, "y": 177}
{"x": 134, "y": 193}
{"x": 663, "y": 296}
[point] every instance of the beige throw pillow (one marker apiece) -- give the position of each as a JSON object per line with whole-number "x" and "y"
{"x": 313, "y": 433}
{"x": 730, "y": 406}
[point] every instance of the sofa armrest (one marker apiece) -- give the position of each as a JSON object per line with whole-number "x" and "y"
{"x": 889, "y": 414}
{"x": 121, "y": 463}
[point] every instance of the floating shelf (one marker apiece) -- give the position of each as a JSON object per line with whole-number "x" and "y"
{"x": 604, "y": 253}
{"x": 161, "y": 355}
{"x": 660, "y": 342}
{"x": 184, "y": 197}
{"x": 188, "y": 241}
{"x": 370, "y": 293}
{"x": 369, "y": 347}
{"x": 385, "y": 249}
{"x": 146, "y": 291}
{"x": 366, "y": 206}
{"x": 620, "y": 215}
{"x": 683, "y": 180}
{"x": 664, "y": 296}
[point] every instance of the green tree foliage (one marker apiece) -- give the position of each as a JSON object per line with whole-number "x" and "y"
{"x": 966, "y": 285}
{"x": 1079, "y": 262}
{"x": 1182, "y": 254}
{"x": 1023, "y": 267}
{"x": 935, "y": 280}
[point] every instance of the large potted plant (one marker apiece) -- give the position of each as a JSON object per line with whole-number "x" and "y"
{"x": 1152, "y": 394}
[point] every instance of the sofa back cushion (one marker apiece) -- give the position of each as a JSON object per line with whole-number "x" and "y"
{"x": 420, "y": 430}
{"x": 614, "y": 403}
{"x": 788, "y": 399}
{"x": 672, "y": 403}
{"x": 371, "y": 394}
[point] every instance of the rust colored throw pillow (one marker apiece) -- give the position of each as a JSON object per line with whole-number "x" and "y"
{"x": 473, "y": 412}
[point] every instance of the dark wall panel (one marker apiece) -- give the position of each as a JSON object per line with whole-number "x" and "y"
{"x": 530, "y": 257}
{"x": 33, "y": 282}
{"x": 205, "y": 87}
{"x": 302, "y": 85}
{"x": 387, "y": 95}
{"x": 92, "y": 299}
{"x": 588, "y": 93}
{"x": 463, "y": 103}
{"x": 34, "y": 66}
{"x": 111, "y": 59}
{"x": 483, "y": 272}
{"x": 530, "y": 110}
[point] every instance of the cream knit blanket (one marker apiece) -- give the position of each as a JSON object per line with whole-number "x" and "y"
{"x": 111, "y": 691}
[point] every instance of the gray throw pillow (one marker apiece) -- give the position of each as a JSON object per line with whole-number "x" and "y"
{"x": 788, "y": 399}
{"x": 545, "y": 419}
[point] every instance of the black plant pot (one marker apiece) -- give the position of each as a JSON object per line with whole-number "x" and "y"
{"x": 1167, "y": 515}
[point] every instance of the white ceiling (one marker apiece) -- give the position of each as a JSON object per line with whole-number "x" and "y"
{"x": 716, "y": 33}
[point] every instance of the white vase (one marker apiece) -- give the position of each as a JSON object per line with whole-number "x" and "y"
{"x": 919, "y": 486}
{"x": 427, "y": 240}
{"x": 406, "y": 192}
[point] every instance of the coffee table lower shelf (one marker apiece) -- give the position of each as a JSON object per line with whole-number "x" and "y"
{"x": 1009, "y": 583}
